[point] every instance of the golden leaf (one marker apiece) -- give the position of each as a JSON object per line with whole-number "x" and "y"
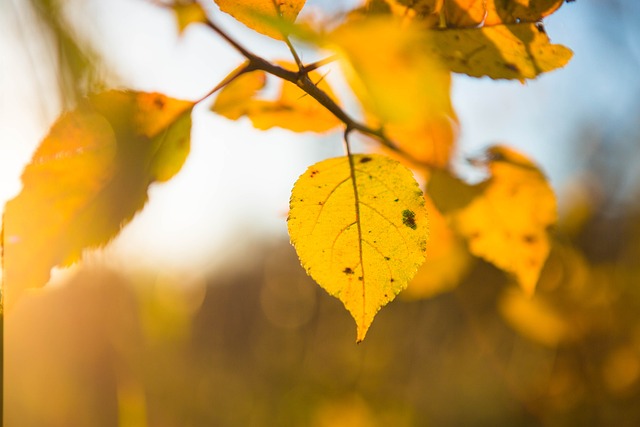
{"x": 518, "y": 51}
{"x": 360, "y": 230}
{"x": 504, "y": 219}
{"x": 88, "y": 178}
{"x": 233, "y": 100}
{"x": 293, "y": 109}
{"x": 256, "y": 14}
{"x": 399, "y": 86}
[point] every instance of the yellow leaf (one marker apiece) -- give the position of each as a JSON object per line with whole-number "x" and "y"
{"x": 399, "y": 85}
{"x": 534, "y": 318}
{"x": 391, "y": 74}
{"x": 255, "y": 14}
{"x": 189, "y": 13}
{"x": 360, "y": 230}
{"x": 447, "y": 261}
{"x": 234, "y": 99}
{"x": 293, "y": 109}
{"x": 518, "y": 51}
{"x": 504, "y": 219}
{"x": 88, "y": 178}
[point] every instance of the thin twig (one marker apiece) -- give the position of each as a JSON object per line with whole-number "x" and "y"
{"x": 315, "y": 65}
{"x": 231, "y": 77}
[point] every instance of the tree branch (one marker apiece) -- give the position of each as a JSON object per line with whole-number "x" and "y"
{"x": 302, "y": 80}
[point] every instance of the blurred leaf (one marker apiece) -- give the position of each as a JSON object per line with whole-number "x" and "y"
{"x": 233, "y": 99}
{"x": 255, "y": 14}
{"x": 88, "y": 177}
{"x": 504, "y": 219}
{"x": 293, "y": 109}
{"x": 534, "y": 318}
{"x": 189, "y": 13}
{"x": 360, "y": 230}
{"x": 399, "y": 86}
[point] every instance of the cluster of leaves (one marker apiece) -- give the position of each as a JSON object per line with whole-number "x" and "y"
{"x": 360, "y": 222}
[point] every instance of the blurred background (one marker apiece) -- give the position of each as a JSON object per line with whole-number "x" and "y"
{"x": 199, "y": 313}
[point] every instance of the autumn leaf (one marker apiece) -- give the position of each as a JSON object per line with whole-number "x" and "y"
{"x": 360, "y": 228}
{"x": 292, "y": 109}
{"x": 256, "y": 14}
{"x": 519, "y": 51}
{"x": 88, "y": 177}
{"x": 505, "y": 219}
{"x": 501, "y": 39}
{"x": 399, "y": 86}
{"x": 234, "y": 99}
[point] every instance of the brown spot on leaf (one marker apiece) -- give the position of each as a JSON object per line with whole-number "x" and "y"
{"x": 409, "y": 219}
{"x": 347, "y": 270}
{"x": 365, "y": 159}
{"x": 159, "y": 103}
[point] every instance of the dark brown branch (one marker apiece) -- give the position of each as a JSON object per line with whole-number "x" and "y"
{"x": 302, "y": 80}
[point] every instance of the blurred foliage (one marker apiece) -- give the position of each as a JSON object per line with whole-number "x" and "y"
{"x": 260, "y": 344}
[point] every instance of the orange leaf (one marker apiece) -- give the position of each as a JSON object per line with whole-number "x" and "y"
{"x": 505, "y": 219}
{"x": 88, "y": 178}
{"x": 292, "y": 109}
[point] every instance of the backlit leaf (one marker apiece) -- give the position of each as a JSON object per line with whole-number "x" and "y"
{"x": 519, "y": 51}
{"x": 88, "y": 177}
{"x": 389, "y": 71}
{"x": 234, "y": 99}
{"x": 360, "y": 233}
{"x": 292, "y": 109}
{"x": 399, "y": 86}
{"x": 505, "y": 219}
{"x": 255, "y": 14}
